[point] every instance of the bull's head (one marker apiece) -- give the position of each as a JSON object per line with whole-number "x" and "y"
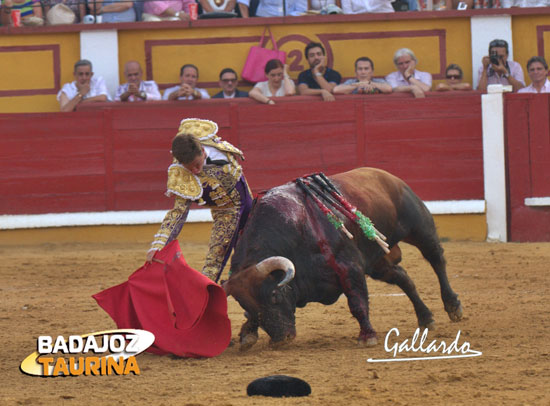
{"x": 263, "y": 291}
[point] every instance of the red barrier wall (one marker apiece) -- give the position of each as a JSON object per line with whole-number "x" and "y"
{"x": 527, "y": 125}
{"x": 114, "y": 156}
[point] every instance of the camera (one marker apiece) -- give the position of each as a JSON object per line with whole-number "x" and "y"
{"x": 495, "y": 59}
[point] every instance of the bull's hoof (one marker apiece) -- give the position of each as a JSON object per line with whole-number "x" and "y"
{"x": 429, "y": 324}
{"x": 369, "y": 342}
{"x": 276, "y": 345}
{"x": 248, "y": 341}
{"x": 456, "y": 314}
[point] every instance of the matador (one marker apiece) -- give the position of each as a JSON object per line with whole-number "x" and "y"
{"x": 206, "y": 171}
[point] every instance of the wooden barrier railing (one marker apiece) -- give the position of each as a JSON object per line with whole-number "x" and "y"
{"x": 527, "y": 127}
{"x": 113, "y": 156}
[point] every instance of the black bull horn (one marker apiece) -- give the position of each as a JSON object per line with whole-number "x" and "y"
{"x": 271, "y": 264}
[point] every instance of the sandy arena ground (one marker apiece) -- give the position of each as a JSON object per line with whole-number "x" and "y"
{"x": 504, "y": 289}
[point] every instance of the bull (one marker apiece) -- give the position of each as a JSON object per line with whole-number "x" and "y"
{"x": 289, "y": 255}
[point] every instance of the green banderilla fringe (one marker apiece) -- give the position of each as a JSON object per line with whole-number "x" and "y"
{"x": 335, "y": 221}
{"x": 366, "y": 225}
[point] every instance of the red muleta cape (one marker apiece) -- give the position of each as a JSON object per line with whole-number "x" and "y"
{"x": 185, "y": 310}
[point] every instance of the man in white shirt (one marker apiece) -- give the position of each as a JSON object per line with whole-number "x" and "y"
{"x": 189, "y": 75}
{"x": 136, "y": 89}
{"x": 407, "y": 78}
{"x": 84, "y": 89}
{"x": 367, "y": 6}
{"x": 537, "y": 69}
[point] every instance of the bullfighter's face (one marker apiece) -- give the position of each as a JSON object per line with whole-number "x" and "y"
{"x": 196, "y": 165}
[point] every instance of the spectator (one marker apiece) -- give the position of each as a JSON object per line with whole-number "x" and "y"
{"x": 5, "y": 12}
{"x": 367, "y": 6}
{"x": 247, "y": 8}
{"x": 84, "y": 89}
{"x": 274, "y": 8}
{"x": 166, "y": 10}
{"x": 114, "y": 11}
{"x": 78, "y": 7}
{"x": 210, "y": 6}
{"x": 228, "y": 83}
{"x": 31, "y": 11}
{"x": 319, "y": 79}
{"x": 407, "y": 78}
{"x": 322, "y": 5}
{"x": 453, "y": 4}
{"x": 453, "y": 80}
{"x": 497, "y": 69}
{"x": 136, "y": 89}
{"x": 189, "y": 74}
{"x": 537, "y": 69}
{"x": 364, "y": 81}
{"x": 278, "y": 83}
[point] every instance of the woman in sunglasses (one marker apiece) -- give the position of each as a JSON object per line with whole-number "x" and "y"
{"x": 453, "y": 80}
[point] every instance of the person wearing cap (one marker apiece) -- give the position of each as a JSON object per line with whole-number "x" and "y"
{"x": 136, "y": 89}
{"x": 498, "y": 69}
{"x": 537, "y": 69}
{"x": 205, "y": 171}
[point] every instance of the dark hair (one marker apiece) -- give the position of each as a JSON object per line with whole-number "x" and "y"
{"x": 272, "y": 64}
{"x": 454, "y": 66}
{"x": 185, "y": 148}
{"x": 228, "y": 70}
{"x": 364, "y": 59}
{"x": 537, "y": 59}
{"x": 498, "y": 43}
{"x": 313, "y": 45}
{"x": 189, "y": 65}
{"x": 82, "y": 62}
